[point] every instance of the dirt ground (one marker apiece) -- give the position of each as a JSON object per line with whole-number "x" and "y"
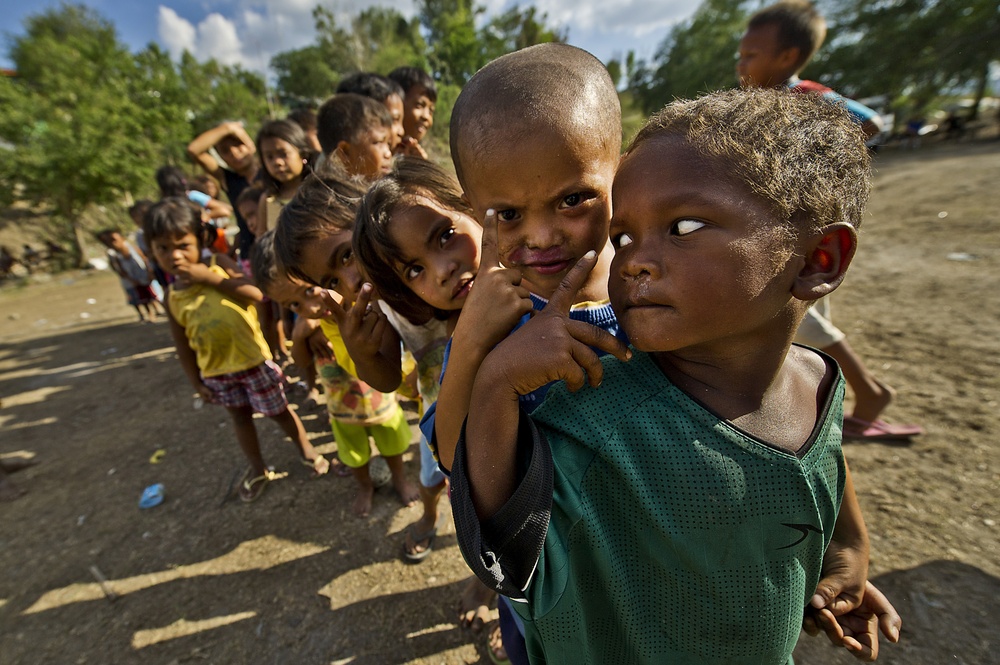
{"x": 293, "y": 578}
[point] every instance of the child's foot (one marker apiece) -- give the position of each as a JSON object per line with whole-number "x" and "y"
{"x": 362, "y": 505}
{"x": 420, "y": 537}
{"x": 319, "y": 464}
{"x": 494, "y": 644}
{"x": 870, "y": 405}
{"x": 407, "y": 491}
{"x": 474, "y": 606}
{"x": 252, "y": 486}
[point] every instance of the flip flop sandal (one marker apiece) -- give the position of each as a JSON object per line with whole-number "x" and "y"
{"x": 252, "y": 487}
{"x": 429, "y": 536}
{"x": 878, "y": 430}
{"x": 319, "y": 465}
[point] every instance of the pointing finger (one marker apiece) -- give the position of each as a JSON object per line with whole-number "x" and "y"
{"x": 565, "y": 294}
{"x": 489, "y": 253}
{"x": 331, "y": 299}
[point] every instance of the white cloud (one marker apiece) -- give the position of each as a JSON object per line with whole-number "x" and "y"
{"x": 175, "y": 32}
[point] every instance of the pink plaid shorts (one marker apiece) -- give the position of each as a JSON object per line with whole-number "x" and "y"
{"x": 261, "y": 388}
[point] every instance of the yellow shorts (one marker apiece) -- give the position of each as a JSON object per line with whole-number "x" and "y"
{"x": 391, "y": 438}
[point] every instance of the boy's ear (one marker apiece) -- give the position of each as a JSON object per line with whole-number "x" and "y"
{"x": 344, "y": 149}
{"x": 827, "y": 255}
{"x": 788, "y": 59}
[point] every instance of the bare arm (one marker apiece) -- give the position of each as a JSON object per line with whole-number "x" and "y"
{"x": 198, "y": 149}
{"x": 371, "y": 341}
{"x": 217, "y": 209}
{"x": 495, "y": 305}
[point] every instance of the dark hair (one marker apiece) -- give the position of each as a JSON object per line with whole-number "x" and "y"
{"x": 172, "y": 181}
{"x": 173, "y": 216}
{"x": 369, "y": 84}
{"x": 372, "y": 242}
{"x": 799, "y": 26}
{"x": 802, "y": 155}
{"x": 518, "y": 95}
{"x": 102, "y": 234}
{"x": 345, "y": 116}
{"x": 306, "y": 117}
{"x": 139, "y": 209}
{"x": 325, "y": 204}
{"x": 408, "y": 77}
{"x": 264, "y": 261}
{"x": 291, "y": 132}
{"x": 251, "y": 193}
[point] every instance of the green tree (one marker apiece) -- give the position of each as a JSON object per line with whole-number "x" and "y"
{"x": 75, "y": 132}
{"x": 698, "y": 55}
{"x": 455, "y": 52}
{"x": 516, "y": 29}
{"x": 304, "y": 74}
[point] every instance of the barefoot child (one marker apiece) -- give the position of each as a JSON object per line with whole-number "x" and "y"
{"x": 215, "y": 330}
{"x": 699, "y": 485}
{"x": 313, "y": 242}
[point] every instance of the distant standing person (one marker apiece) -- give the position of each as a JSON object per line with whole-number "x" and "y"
{"x": 778, "y": 43}
{"x": 238, "y": 152}
{"x": 419, "y": 100}
{"x": 135, "y": 273}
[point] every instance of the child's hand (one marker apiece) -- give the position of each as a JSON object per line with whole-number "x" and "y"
{"x": 553, "y": 347}
{"x": 205, "y": 392}
{"x": 362, "y": 325}
{"x": 409, "y": 147}
{"x": 196, "y": 273}
{"x": 320, "y": 347}
{"x": 857, "y": 630}
{"x": 497, "y": 300}
{"x": 842, "y": 586}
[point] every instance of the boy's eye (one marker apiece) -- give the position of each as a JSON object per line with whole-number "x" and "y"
{"x": 621, "y": 240}
{"x": 508, "y": 215}
{"x": 685, "y": 226}
{"x": 446, "y": 235}
{"x": 294, "y": 306}
{"x": 346, "y": 257}
{"x": 413, "y": 272}
{"x": 312, "y": 291}
{"x": 331, "y": 283}
{"x": 572, "y": 200}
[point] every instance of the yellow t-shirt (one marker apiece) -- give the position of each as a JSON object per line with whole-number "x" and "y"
{"x": 348, "y": 398}
{"x": 223, "y": 332}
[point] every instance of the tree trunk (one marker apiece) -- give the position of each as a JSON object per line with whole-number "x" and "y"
{"x": 984, "y": 77}
{"x": 79, "y": 242}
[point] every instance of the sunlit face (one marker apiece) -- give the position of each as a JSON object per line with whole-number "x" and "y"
{"x": 440, "y": 249}
{"x": 553, "y": 201}
{"x": 329, "y": 263}
{"x": 281, "y": 159}
{"x": 237, "y": 155}
{"x": 761, "y": 63}
{"x": 698, "y": 257}
{"x": 172, "y": 252}
{"x": 395, "y": 105}
{"x": 249, "y": 212}
{"x": 370, "y": 155}
{"x": 418, "y": 112}
{"x": 298, "y": 296}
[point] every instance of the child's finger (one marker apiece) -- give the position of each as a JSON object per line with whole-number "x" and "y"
{"x": 589, "y": 362}
{"x": 489, "y": 253}
{"x": 565, "y": 294}
{"x": 597, "y": 338}
{"x": 337, "y": 311}
{"x": 364, "y": 297}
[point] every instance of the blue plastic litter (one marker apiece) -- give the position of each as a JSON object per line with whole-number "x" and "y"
{"x": 151, "y": 496}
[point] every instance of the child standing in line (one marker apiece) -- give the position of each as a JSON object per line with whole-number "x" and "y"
{"x": 419, "y": 100}
{"x": 134, "y": 272}
{"x": 238, "y": 153}
{"x": 287, "y": 157}
{"x": 698, "y": 487}
{"x": 313, "y": 244}
{"x": 383, "y": 90}
{"x": 779, "y": 42}
{"x": 549, "y": 212}
{"x": 215, "y": 330}
{"x": 356, "y": 132}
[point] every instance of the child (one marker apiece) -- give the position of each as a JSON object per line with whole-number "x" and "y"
{"x": 549, "y": 212}
{"x": 237, "y": 151}
{"x": 699, "y": 486}
{"x": 419, "y": 247}
{"x": 383, "y": 90}
{"x": 419, "y": 99}
{"x": 134, "y": 272}
{"x": 287, "y": 157}
{"x": 173, "y": 182}
{"x": 313, "y": 242}
{"x": 357, "y": 130}
{"x": 219, "y": 342}
{"x": 138, "y": 213}
{"x": 779, "y": 42}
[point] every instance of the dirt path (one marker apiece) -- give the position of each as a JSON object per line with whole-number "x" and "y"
{"x": 295, "y": 579}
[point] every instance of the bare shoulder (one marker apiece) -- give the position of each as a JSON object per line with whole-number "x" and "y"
{"x": 816, "y": 373}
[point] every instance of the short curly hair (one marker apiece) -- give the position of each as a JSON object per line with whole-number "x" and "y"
{"x": 800, "y": 153}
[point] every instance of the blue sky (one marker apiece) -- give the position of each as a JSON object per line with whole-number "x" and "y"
{"x": 249, "y": 32}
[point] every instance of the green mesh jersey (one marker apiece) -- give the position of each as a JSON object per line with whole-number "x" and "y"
{"x": 671, "y": 536}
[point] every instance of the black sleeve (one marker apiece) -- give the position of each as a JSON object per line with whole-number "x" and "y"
{"x": 504, "y": 549}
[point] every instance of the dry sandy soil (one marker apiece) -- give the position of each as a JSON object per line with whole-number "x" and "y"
{"x": 294, "y": 579}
